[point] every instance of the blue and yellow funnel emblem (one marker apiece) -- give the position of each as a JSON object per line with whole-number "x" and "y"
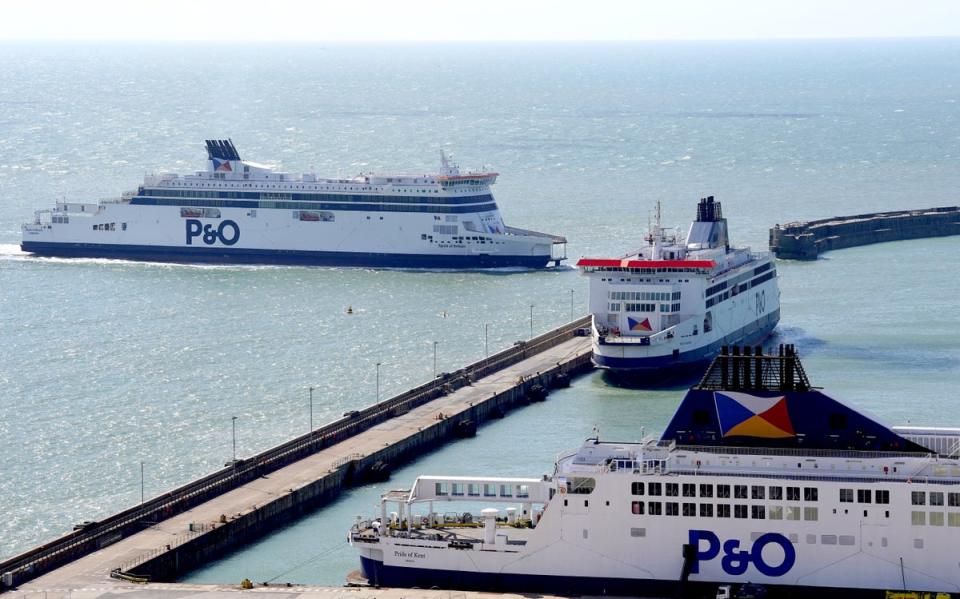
{"x": 745, "y": 415}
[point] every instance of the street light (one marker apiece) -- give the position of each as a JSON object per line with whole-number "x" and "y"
{"x": 571, "y": 305}
{"x": 486, "y": 339}
{"x": 435, "y": 343}
{"x": 234, "y": 420}
{"x": 531, "y": 321}
{"x": 311, "y": 409}
{"x": 378, "y": 383}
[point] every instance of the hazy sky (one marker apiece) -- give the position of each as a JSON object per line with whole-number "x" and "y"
{"x": 473, "y": 20}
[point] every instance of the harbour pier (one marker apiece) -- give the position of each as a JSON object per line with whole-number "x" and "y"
{"x": 188, "y": 526}
{"x": 807, "y": 240}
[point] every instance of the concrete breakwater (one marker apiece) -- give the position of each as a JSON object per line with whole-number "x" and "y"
{"x": 179, "y": 530}
{"x": 807, "y": 240}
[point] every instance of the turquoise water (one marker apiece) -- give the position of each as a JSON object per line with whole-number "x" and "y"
{"x": 107, "y": 364}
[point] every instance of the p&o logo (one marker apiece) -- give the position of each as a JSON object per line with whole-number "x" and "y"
{"x": 735, "y": 561}
{"x": 227, "y": 233}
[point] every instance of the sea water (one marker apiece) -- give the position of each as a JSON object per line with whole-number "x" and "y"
{"x": 107, "y": 364}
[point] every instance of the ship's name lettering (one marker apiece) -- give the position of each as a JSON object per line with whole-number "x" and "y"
{"x": 227, "y": 232}
{"x": 735, "y": 561}
{"x": 413, "y": 554}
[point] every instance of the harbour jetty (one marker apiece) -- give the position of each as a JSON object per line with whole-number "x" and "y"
{"x": 186, "y": 527}
{"x": 807, "y": 240}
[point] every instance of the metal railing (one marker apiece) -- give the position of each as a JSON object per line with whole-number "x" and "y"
{"x": 48, "y": 556}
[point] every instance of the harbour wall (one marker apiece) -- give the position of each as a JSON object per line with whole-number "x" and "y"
{"x": 195, "y": 548}
{"x": 807, "y": 240}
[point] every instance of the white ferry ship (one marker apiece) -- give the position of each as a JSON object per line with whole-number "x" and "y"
{"x": 239, "y": 211}
{"x": 758, "y": 478}
{"x": 668, "y": 308}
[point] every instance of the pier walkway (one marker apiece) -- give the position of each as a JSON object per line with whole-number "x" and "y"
{"x": 193, "y": 536}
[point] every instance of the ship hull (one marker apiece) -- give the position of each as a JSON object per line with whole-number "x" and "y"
{"x": 381, "y": 575}
{"x": 206, "y": 255}
{"x": 675, "y": 367}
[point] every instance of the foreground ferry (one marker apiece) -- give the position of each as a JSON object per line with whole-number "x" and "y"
{"x": 759, "y": 477}
{"x": 669, "y": 307}
{"x": 239, "y": 211}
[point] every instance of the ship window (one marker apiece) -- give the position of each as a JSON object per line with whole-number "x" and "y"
{"x": 723, "y": 491}
{"x": 739, "y": 511}
{"x": 473, "y": 490}
{"x": 953, "y": 499}
{"x": 776, "y": 493}
{"x": 953, "y": 519}
{"x": 673, "y": 489}
{"x": 723, "y": 510}
{"x": 918, "y": 498}
{"x": 793, "y": 512}
{"x": 523, "y": 491}
{"x": 123, "y": 226}
{"x": 654, "y": 489}
{"x": 828, "y": 539}
{"x": 706, "y": 510}
{"x": 863, "y": 496}
{"x": 936, "y": 518}
{"x": 846, "y": 495}
{"x": 654, "y": 508}
{"x": 809, "y": 493}
{"x": 757, "y": 512}
{"x": 936, "y": 497}
{"x": 578, "y": 485}
{"x": 636, "y": 507}
{"x": 918, "y": 518}
{"x": 638, "y": 532}
{"x": 884, "y": 496}
{"x": 706, "y": 490}
{"x": 457, "y": 489}
{"x": 689, "y": 490}
{"x": 507, "y": 490}
{"x": 673, "y": 508}
{"x": 690, "y": 509}
{"x": 740, "y": 491}
{"x": 756, "y": 492}
{"x": 810, "y": 513}
{"x": 775, "y": 512}
{"x": 489, "y": 490}
{"x": 441, "y": 489}
{"x": 636, "y": 488}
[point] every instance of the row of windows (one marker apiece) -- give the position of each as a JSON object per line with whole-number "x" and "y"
{"x": 935, "y": 497}
{"x": 313, "y": 206}
{"x": 109, "y": 227}
{"x": 865, "y": 496}
{"x": 474, "y": 490}
{"x": 656, "y": 296}
{"x": 640, "y": 307}
{"x": 723, "y": 510}
{"x": 314, "y": 197}
{"x": 734, "y": 291}
{"x": 935, "y": 519}
{"x": 775, "y": 492}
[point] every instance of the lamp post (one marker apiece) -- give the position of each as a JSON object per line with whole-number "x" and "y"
{"x": 571, "y": 305}
{"x": 378, "y": 383}
{"x": 141, "y": 482}
{"x": 311, "y": 409}
{"x": 435, "y": 343}
{"x": 234, "y": 420}
{"x": 531, "y": 321}
{"x": 486, "y": 340}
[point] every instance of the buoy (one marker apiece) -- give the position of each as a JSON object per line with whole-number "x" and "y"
{"x": 349, "y": 309}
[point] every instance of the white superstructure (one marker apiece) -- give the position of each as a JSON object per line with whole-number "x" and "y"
{"x": 669, "y": 307}
{"x": 239, "y": 211}
{"x": 758, "y": 478}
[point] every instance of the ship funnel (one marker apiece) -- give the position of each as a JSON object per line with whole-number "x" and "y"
{"x": 710, "y": 228}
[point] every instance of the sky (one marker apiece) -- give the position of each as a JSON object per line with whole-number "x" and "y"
{"x": 322, "y": 21}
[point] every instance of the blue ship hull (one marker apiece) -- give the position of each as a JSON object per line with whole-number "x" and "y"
{"x": 207, "y": 255}
{"x": 380, "y": 575}
{"x": 669, "y": 368}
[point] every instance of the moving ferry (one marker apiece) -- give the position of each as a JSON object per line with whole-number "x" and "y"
{"x": 237, "y": 211}
{"x": 667, "y": 309}
{"x": 759, "y": 477}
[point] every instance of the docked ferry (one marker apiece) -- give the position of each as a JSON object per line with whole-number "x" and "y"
{"x": 237, "y": 211}
{"x": 758, "y": 478}
{"x": 666, "y": 309}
